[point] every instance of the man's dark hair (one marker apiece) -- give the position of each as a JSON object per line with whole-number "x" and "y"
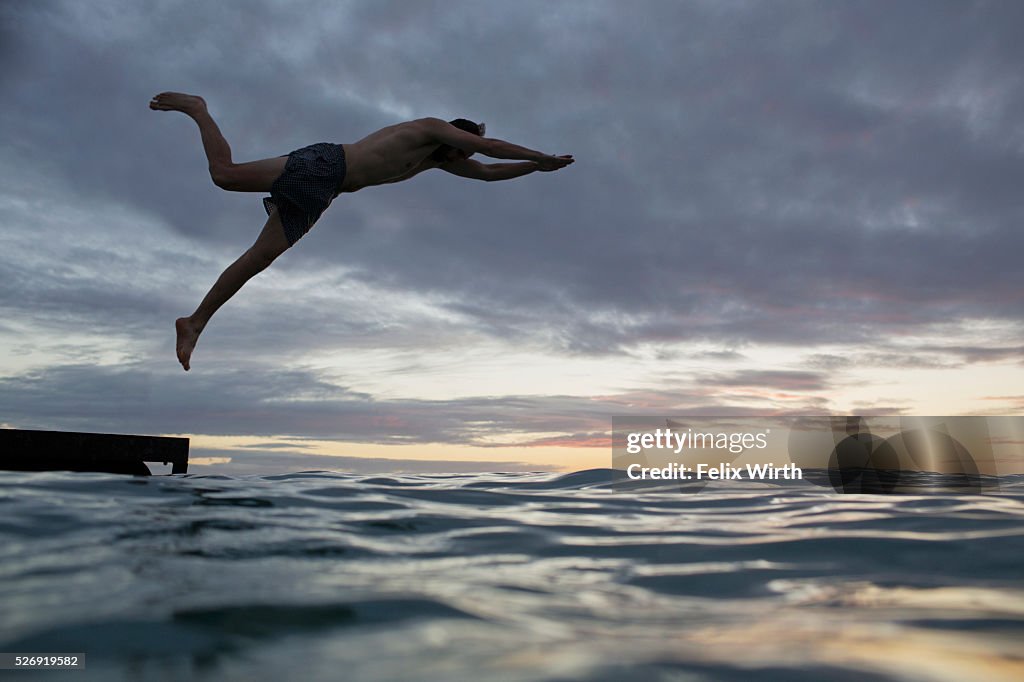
{"x": 462, "y": 124}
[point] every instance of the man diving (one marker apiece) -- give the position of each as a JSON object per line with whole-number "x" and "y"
{"x": 303, "y": 183}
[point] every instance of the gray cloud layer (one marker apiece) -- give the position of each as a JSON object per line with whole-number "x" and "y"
{"x": 749, "y": 172}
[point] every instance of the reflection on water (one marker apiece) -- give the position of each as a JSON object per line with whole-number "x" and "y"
{"x": 507, "y": 577}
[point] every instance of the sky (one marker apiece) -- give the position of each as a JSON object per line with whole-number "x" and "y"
{"x": 776, "y": 208}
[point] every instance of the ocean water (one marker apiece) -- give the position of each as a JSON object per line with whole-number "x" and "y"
{"x": 328, "y": 576}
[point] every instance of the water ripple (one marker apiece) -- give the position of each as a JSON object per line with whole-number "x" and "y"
{"x": 507, "y": 577}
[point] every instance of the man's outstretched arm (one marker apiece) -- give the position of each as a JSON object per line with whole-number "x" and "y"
{"x": 467, "y": 168}
{"x": 445, "y": 133}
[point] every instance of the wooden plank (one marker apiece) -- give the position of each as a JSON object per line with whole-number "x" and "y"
{"x": 25, "y": 450}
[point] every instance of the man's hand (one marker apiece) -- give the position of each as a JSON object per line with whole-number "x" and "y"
{"x": 552, "y": 163}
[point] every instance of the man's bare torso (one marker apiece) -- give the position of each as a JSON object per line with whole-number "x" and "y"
{"x": 391, "y": 154}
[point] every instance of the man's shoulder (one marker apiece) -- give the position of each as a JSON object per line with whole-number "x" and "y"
{"x": 427, "y": 123}
{"x": 419, "y": 126}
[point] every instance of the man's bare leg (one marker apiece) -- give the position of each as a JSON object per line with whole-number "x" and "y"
{"x": 255, "y": 176}
{"x": 268, "y": 246}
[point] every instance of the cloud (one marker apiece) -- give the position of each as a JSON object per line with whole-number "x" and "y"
{"x": 256, "y": 401}
{"x": 731, "y": 184}
{"x": 841, "y": 180}
{"x": 296, "y": 404}
{"x": 781, "y": 380}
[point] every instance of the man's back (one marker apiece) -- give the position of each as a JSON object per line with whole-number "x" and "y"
{"x": 390, "y": 153}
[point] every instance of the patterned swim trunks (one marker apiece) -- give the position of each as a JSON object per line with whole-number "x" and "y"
{"x": 311, "y": 179}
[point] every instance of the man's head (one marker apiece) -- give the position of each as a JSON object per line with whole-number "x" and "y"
{"x": 446, "y": 153}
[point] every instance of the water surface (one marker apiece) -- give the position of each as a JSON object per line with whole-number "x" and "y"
{"x": 328, "y": 576}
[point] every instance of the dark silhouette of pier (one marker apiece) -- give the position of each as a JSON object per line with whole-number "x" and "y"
{"x": 22, "y": 450}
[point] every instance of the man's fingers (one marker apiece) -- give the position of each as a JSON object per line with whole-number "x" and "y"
{"x": 555, "y": 162}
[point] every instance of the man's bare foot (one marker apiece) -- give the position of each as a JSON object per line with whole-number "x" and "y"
{"x": 188, "y": 334}
{"x": 178, "y": 101}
